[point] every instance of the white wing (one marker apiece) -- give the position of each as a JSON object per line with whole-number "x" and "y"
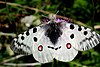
{"x": 33, "y": 42}
{"x": 82, "y": 38}
{"x": 74, "y": 38}
{"x": 23, "y": 42}
{"x": 64, "y": 49}
{"x": 40, "y": 49}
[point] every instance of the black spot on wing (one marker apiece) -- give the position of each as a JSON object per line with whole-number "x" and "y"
{"x": 22, "y": 37}
{"x": 50, "y": 47}
{"x": 27, "y": 32}
{"x": 35, "y": 39}
{"x": 34, "y": 30}
{"x": 72, "y": 36}
{"x": 85, "y": 32}
{"x": 85, "y": 28}
{"x": 58, "y": 48}
{"x": 72, "y": 26}
{"x": 54, "y": 48}
{"x": 79, "y": 28}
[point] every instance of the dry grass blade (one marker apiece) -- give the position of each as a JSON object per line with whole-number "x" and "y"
{"x": 97, "y": 27}
{"x": 42, "y": 11}
{"x": 8, "y": 34}
{"x": 13, "y": 58}
{"x": 25, "y": 64}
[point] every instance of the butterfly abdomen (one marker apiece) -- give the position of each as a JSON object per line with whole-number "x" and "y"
{"x": 53, "y": 32}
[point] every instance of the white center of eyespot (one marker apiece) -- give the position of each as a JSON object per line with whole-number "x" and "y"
{"x": 68, "y": 45}
{"x": 40, "y": 48}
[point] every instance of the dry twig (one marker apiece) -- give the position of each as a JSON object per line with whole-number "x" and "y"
{"x": 25, "y": 64}
{"x": 13, "y": 58}
{"x": 45, "y": 12}
{"x": 42, "y": 11}
{"x": 8, "y": 34}
{"x": 97, "y": 27}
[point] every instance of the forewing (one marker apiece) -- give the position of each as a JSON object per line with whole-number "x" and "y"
{"x": 23, "y": 42}
{"x": 82, "y": 37}
{"x": 33, "y": 42}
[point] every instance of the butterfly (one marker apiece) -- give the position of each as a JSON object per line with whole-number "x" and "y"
{"x": 55, "y": 38}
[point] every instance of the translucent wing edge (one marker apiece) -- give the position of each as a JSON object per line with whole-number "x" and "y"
{"x": 18, "y": 48}
{"x": 90, "y": 42}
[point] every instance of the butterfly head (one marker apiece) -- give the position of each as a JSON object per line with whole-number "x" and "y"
{"x": 53, "y": 19}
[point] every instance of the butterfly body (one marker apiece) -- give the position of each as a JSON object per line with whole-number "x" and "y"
{"x": 55, "y": 39}
{"x": 53, "y": 32}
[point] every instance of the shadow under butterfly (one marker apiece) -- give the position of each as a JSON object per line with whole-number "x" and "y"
{"x": 55, "y": 38}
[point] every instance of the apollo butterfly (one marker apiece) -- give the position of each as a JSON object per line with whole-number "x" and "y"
{"x": 55, "y": 38}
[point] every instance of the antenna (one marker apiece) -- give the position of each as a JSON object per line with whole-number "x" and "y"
{"x": 53, "y": 16}
{"x": 57, "y": 12}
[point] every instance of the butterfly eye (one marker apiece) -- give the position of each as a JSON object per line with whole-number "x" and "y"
{"x": 68, "y": 45}
{"x": 40, "y": 48}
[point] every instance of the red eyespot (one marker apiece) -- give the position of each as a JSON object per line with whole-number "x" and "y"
{"x": 68, "y": 45}
{"x": 40, "y": 48}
